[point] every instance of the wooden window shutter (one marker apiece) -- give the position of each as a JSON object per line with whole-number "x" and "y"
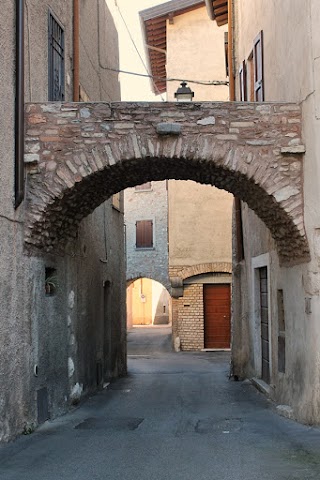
{"x": 258, "y": 68}
{"x": 144, "y": 234}
{"x": 243, "y": 82}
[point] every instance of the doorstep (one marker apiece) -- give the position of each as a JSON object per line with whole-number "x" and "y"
{"x": 216, "y": 350}
{"x": 262, "y": 386}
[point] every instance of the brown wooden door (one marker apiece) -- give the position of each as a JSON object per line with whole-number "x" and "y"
{"x": 217, "y": 331}
{"x": 265, "y": 371}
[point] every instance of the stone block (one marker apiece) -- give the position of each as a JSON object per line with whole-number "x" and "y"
{"x": 293, "y": 149}
{"x": 166, "y": 128}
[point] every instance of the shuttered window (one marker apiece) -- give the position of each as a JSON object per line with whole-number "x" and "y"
{"x": 258, "y": 68}
{"x": 144, "y": 234}
{"x": 55, "y": 60}
{"x": 243, "y": 82}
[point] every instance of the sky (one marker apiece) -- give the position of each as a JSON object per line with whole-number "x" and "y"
{"x": 132, "y": 88}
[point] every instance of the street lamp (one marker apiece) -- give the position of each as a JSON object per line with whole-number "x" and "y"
{"x": 184, "y": 93}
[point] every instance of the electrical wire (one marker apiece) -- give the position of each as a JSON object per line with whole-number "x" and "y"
{"x": 137, "y": 50}
{"x": 199, "y": 82}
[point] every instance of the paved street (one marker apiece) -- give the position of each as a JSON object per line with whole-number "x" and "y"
{"x": 176, "y": 416}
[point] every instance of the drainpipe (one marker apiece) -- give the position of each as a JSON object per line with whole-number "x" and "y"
{"x": 232, "y": 95}
{"x": 19, "y": 106}
{"x": 76, "y": 50}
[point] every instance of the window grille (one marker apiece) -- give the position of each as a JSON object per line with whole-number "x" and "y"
{"x": 55, "y": 60}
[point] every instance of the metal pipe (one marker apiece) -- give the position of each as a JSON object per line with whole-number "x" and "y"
{"x": 76, "y": 50}
{"x": 232, "y": 95}
{"x": 19, "y": 106}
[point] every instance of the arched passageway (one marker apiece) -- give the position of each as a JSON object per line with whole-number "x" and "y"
{"x": 148, "y": 303}
{"x": 81, "y": 154}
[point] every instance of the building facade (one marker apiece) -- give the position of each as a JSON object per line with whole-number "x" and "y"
{"x": 199, "y": 217}
{"x": 57, "y": 344}
{"x": 276, "y": 52}
{"x": 146, "y": 220}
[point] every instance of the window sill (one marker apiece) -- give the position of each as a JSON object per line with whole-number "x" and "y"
{"x": 143, "y": 249}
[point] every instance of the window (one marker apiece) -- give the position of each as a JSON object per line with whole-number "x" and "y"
{"x": 143, "y": 187}
{"x": 251, "y": 81}
{"x": 55, "y": 60}
{"x": 226, "y": 42}
{"x": 258, "y": 68}
{"x": 243, "y": 82}
{"x": 144, "y": 234}
{"x": 51, "y": 281}
{"x": 250, "y": 78}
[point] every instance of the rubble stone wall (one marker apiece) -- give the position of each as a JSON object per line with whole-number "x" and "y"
{"x": 78, "y": 155}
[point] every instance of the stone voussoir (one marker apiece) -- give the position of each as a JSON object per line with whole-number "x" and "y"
{"x": 85, "y": 152}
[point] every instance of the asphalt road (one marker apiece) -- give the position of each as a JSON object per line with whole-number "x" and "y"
{"x": 176, "y": 416}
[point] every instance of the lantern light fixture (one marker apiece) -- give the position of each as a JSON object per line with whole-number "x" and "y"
{"x": 184, "y": 93}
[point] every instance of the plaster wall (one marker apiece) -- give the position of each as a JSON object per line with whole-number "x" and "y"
{"x": 54, "y": 342}
{"x": 195, "y": 51}
{"x": 291, "y": 73}
{"x": 199, "y": 224}
{"x": 147, "y": 303}
{"x": 148, "y": 205}
{"x": 99, "y": 51}
{"x": 199, "y": 215}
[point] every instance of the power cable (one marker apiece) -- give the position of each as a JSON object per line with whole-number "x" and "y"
{"x": 137, "y": 50}
{"x": 199, "y": 82}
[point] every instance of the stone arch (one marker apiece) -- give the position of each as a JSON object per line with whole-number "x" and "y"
{"x": 100, "y": 149}
{"x": 133, "y": 278}
{"x": 200, "y": 269}
{"x": 157, "y": 299}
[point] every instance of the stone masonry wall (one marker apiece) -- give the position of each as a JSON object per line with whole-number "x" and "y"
{"x": 252, "y": 150}
{"x": 147, "y": 205}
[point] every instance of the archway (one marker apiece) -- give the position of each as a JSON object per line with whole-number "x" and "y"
{"x": 148, "y": 303}
{"x": 101, "y": 149}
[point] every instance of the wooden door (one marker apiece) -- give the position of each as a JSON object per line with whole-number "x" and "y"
{"x": 217, "y": 330}
{"x": 264, "y": 310}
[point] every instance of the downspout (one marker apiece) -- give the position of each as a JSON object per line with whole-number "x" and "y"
{"x": 232, "y": 95}
{"x": 76, "y": 50}
{"x": 19, "y": 106}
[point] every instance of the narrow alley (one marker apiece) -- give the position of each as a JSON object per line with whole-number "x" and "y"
{"x": 176, "y": 416}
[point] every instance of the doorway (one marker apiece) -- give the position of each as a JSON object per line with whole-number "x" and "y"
{"x": 264, "y": 315}
{"x": 217, "y": 328}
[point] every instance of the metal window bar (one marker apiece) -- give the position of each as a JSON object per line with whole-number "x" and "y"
{"x": 56, "y": 60}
